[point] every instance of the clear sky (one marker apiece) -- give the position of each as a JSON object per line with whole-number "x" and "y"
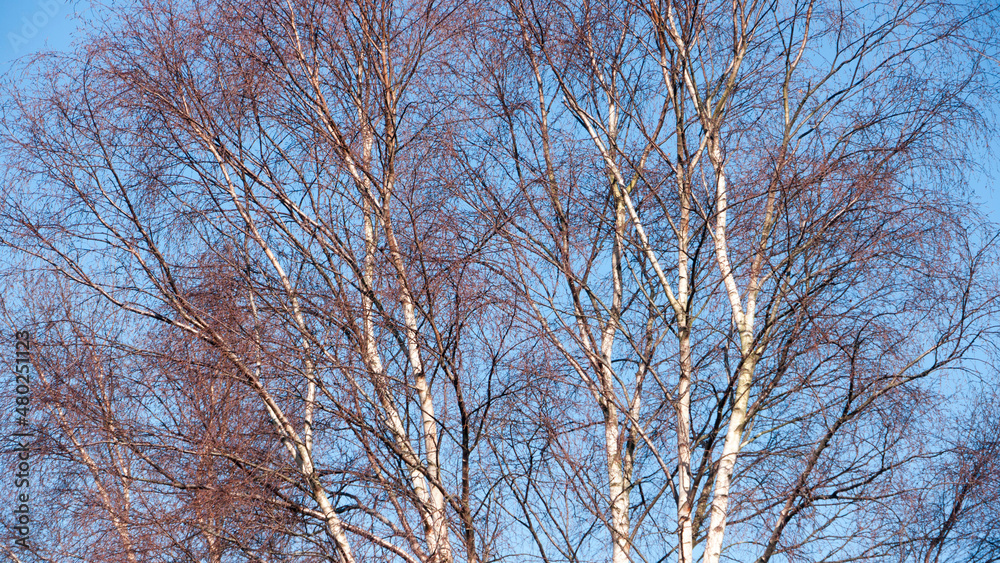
{"x": 28, "y": 26}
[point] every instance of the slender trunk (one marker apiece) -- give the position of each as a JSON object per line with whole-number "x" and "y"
{"x": 437, "y": 537}
{"x": 744, "y": 322}
{"x": 430, "y": 498}
{"x": 730, "y": 450}
{"x": 620, "y": 463}
{"x": 683, "y": 404}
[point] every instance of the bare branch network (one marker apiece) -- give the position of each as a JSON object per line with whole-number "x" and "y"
{"x": 426, "y": 281}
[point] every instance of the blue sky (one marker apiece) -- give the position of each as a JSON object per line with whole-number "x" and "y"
{"x": 29, "y": 26}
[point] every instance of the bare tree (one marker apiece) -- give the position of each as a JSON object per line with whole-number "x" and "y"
{"x": 272, "y": 216}
{"x": 755, "y": 182}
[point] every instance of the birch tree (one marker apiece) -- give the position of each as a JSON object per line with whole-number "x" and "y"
{"x": 729, "y": 199}
{"x": 271, "y": 216}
